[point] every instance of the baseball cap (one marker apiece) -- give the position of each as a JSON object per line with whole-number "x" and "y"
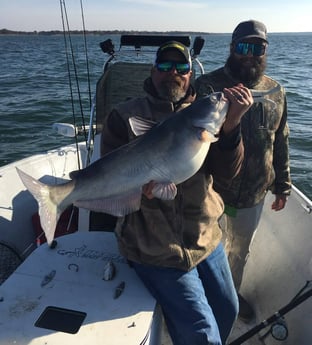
{"x": 249, "y": 29}
{"x": 174, "y": 45}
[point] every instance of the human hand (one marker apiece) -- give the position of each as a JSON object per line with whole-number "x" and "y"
{"x": 241, "y": 100}
{"x": 280, "y": 202}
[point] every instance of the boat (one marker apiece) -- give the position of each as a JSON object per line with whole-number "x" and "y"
{"x": 59, "y": 293}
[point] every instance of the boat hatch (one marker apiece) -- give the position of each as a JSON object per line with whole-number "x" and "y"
{"x": 61, "y": 319}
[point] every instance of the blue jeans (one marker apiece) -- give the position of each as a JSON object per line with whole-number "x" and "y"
{"x": 199, "y": 306}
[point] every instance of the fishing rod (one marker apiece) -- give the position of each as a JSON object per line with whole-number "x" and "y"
{"x": 69, "y": 49}
{"x": 65, "y": 17}
{"x": 92, "y": 102}
{"x": 86, "y": 52}
{"x": 279, "y": 329}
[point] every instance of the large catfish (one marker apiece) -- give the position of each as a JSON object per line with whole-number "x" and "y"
{"x": 167, "y": 153}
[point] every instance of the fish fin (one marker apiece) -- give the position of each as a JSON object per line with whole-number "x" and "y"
{"x": 48, "y": 211}
{"x": 140, "y": 126}
{"x": 118, "y": 207}
{"x": 165, "y": 191}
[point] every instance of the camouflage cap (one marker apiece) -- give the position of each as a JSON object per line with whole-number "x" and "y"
{"x": 249, "y": 29}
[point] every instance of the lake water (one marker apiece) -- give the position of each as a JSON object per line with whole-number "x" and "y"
{"x": 35, "y": 93}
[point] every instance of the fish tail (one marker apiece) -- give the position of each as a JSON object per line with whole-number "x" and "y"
{"x": 48, "y": 210}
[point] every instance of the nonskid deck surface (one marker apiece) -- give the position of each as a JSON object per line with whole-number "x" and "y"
{"x": 9, "y": 261}
{"x": 240, "y": 328}
{"x": 68, "y": 282}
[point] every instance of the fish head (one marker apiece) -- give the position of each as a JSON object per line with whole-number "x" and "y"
{"x": 208, "y": 114}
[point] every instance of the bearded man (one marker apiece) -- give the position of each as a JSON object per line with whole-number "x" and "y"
{"x": 265, "y": 135}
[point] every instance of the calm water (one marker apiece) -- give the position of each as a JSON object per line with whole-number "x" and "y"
{"x": 35, "y": 93}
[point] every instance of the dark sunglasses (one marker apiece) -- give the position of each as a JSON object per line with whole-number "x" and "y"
{"x": 167, "y": 66}
{"x": 243, "y": 48}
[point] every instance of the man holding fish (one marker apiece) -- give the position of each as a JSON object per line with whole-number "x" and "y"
{"x": 174, "y": 241}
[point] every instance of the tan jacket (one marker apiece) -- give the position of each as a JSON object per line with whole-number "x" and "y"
{"x": 265, "y": 135}
{"x": 181, "y": 232}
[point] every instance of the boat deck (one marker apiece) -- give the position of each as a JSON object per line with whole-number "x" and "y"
{"x": 67, "y": 283}
{"x": 240, "y": 328}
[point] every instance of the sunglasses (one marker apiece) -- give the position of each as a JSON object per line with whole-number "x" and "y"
{"x": 243, "y": 48}
{"x": 167, "y": 66}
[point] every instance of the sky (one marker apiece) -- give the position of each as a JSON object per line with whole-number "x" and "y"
{"x": 156, "y": 15}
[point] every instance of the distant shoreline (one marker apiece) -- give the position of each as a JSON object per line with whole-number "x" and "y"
{"x": 126, "y": 32}
{"x": 100, "y": 32}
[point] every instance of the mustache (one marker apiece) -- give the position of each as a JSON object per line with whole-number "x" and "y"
{"x": 249, "y": 74}
{"x": 173, "y": 78}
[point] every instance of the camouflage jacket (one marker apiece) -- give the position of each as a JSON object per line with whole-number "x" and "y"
{"x": 265, "y": 135}
{"x": 177, "y": 233}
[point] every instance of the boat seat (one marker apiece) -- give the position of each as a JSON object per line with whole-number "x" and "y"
{"x": 121, "y": 81}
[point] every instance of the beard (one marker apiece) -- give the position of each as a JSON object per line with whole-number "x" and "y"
{"x": 249, "y": 74}
{"x": 172, "y": 89}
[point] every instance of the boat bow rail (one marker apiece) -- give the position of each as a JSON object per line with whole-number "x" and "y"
{"x": 305, "y": 202}
{"x": 147, "y": 44}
